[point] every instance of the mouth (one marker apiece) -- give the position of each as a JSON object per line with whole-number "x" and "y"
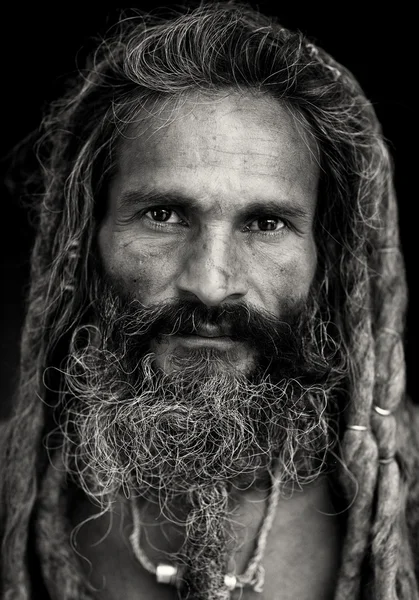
{"x": 221, "y": 342}
{"x": 204, "y": 336}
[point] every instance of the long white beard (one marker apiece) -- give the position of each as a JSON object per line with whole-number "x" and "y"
{"x": 161, "y": 434}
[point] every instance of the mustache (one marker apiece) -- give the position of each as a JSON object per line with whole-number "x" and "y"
{"x": 239, "y": 321}
{"x": 133, "y": 325}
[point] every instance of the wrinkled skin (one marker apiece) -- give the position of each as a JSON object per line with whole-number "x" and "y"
{"x": 213, "y": 201}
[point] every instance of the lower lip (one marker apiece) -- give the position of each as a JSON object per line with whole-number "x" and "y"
{"x": 198, "y": 341}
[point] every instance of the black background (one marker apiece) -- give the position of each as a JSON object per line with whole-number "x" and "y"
{"x": 40, "y": 47}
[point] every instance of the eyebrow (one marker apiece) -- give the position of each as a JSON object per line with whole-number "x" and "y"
{"x": 137, "y": 199}
{"x": 134, "y": 198}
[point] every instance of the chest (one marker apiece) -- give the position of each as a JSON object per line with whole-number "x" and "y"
{"x": 288, "y": 576}
{"x": 301, "y": 559}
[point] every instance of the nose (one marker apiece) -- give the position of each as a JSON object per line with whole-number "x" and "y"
{"x": 213, "y": 271}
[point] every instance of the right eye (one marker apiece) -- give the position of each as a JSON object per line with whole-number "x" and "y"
{"x": 163, "y": 215}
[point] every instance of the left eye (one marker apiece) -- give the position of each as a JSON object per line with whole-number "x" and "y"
{"x": 266, "y": 224}
{"x": 163, "y": 215}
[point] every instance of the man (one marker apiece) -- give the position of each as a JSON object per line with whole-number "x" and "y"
{"x": 211, "y": 402}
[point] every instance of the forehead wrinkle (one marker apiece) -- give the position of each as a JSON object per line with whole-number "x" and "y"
{"x": 290, "y": 167}
{"x": 174, "y": 111}
{"x": 293, "y": 163}
{"x": 269, "y": 164}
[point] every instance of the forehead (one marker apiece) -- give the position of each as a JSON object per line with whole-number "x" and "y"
{"x": 232, "y": 143}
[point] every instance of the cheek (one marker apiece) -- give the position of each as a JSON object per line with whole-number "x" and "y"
{"x": 142, "y": 271}
{"x": 286, "y": 275}
{"x": 305, "y": 268}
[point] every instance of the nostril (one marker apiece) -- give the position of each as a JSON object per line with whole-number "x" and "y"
{"x": 210, "y": 274}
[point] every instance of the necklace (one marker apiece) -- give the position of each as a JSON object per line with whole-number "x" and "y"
{"x": 171, "y": 574}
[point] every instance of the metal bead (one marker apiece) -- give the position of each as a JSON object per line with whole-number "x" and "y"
{"x": 166, "y": 574}
{"x": 357, "y": 427}
{"x": 384, "y": 412}
{"x": 230, "y": 581}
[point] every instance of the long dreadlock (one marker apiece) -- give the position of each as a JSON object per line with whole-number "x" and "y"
{"x": 146, "y": 61}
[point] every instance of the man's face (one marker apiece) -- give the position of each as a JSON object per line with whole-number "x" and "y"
{"x": 213, "y": 202}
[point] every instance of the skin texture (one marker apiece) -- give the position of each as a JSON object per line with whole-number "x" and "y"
{"x": 213, "y": 200}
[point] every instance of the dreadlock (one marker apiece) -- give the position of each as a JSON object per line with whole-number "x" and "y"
{"x": 146, "y": 62}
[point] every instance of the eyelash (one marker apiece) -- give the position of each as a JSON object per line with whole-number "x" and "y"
{"x": 158, "y": 226}
{"x": 162, "y": 225}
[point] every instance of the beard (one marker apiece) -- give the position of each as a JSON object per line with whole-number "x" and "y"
{"x": 190, "y": 435}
